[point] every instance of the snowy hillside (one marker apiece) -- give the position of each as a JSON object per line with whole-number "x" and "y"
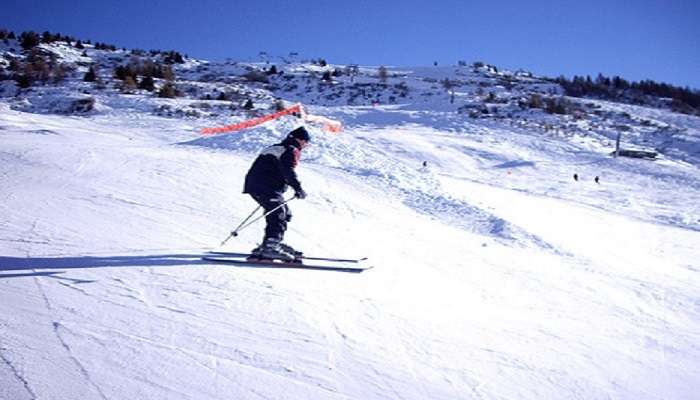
{"x": 496, "y": 274}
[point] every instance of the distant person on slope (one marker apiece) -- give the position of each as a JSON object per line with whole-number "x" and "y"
{"x": 267, "y": 180}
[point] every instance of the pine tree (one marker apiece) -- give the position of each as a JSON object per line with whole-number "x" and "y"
{"x": 29, "y": 40}
{"x": 147, "y": 83}
{"x": 15, "y": 65}
{"x": 173, "y": 57}
{"x": 120, "y": 72}
{"x": 47, "y": 37}
{"x": 90, "y": 75}
{"x": 24, "y": 80}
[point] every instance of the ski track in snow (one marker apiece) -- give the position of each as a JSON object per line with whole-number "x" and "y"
{"x": 57, "y": 327}
{"x": 18, "y": 376}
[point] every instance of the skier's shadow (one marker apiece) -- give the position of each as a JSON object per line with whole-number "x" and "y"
{"x": 31, "y": 264}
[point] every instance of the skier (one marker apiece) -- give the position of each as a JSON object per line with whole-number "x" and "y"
{"x": 267, "y": 180}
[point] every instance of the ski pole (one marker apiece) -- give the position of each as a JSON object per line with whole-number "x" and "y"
{"x": 262, "y": 216}
{"x": 235, "y": 231}
{"x": 243, "y": 224}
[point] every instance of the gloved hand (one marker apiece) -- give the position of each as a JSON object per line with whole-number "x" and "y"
{"x": 300, "y": 194}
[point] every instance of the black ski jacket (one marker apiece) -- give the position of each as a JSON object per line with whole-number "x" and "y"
{"x": 273, "y": 170}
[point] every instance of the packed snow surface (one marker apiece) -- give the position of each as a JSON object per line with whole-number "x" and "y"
{"x": 496, "y": 274}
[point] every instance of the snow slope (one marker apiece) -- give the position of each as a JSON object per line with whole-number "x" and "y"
{"x": 497, "y": 276}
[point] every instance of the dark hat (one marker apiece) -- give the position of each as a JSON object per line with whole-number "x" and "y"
{"x": 300, "y": 133}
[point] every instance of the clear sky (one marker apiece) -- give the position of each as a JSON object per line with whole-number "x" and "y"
{"x": 636, "y": 39}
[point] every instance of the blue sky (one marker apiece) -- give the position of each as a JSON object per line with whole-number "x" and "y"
{"x": 640, "y": 39}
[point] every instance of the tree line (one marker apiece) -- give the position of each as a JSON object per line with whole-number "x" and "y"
{"x": 682, "y": 99}
{"x": 30, "y": 39}
{"x": 39, "y": 67}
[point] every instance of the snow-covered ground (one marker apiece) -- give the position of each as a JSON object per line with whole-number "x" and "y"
{"x": 496, "y": 274}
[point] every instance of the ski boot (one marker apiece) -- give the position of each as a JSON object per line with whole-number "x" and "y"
{"x": 298, "y": 255}
{"x": 271, "y": 250}
{"x": 256, "y": 254}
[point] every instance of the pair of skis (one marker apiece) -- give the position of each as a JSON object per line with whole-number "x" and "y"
{"x": 315, "y": 263}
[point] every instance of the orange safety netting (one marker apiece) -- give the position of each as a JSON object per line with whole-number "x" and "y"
{"x": 251, "y": 122}
{"x": 328, "y": 124}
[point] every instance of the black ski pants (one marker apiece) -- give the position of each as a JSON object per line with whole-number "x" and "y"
{"x": 276, "y": 221}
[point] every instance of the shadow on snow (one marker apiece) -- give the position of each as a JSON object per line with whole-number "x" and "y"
{"x": 64, "y": 263}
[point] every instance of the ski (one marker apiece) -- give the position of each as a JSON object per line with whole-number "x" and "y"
{"x": 283, "y": 264}
{"x": 330, "y": 259}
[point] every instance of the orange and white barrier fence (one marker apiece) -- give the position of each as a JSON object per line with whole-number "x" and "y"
{"x": 328, "y": 124}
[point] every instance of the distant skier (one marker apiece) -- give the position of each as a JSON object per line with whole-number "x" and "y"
{"x": 269, "y": 177}
{"x": 597, "y": 180}
{"x": 576, "y": 177}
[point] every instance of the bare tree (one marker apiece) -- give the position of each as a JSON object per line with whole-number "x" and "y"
{"x": 450, "y": 87}
{"x": 383, "y": 74}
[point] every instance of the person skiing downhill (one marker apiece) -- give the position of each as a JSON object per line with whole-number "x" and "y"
{"x": 268, "y": 178}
